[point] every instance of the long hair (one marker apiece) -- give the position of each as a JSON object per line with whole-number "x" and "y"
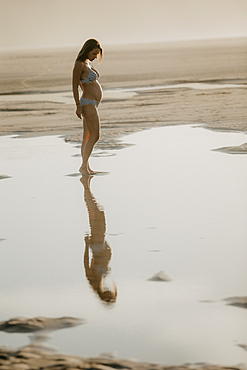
{"x": 87, "y": 47}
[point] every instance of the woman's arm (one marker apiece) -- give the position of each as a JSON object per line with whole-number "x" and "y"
{"x": 77, "y": 71}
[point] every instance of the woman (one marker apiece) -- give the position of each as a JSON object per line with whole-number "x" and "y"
{"x": 86, "y": 77}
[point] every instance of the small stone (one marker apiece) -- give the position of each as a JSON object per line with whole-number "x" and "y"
{"x": 160, "y": 276}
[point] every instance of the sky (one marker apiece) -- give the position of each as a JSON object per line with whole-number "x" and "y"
{"x": 49, "y": 23}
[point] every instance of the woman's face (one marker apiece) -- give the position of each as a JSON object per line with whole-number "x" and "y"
{"x": 93, "y": 54}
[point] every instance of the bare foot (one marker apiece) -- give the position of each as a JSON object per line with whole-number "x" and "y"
{"x": 91, "y": 172}
{"x": 84, "y": 171}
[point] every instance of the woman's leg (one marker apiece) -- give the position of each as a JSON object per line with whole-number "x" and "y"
{"x": 86, "y": 136}
{"x": 90, "y": 136}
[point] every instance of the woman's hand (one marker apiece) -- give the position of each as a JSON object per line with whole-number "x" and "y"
{"x": 79, "y": 111}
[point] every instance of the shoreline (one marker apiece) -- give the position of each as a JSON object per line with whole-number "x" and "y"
{"x": 221, "y": 108}
{"x": 129, "y": 69}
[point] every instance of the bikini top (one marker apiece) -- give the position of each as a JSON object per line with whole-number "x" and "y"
{"x": 92, "y": 76}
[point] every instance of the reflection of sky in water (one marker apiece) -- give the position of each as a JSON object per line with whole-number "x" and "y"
{"x": 170, "y": 193}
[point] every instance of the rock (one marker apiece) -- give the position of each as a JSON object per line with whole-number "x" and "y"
{"x": 237, "y": 301}
{"x": 160, "y": 276}
{"x": 24, "y": 325}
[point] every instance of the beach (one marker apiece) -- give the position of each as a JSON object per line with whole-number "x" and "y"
{"x": 215, "y": 62}
{"x": 175, "y": 232}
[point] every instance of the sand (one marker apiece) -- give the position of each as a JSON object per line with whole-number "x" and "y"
{"x": 37, "y": 355}
{"x": 221, "y": 62}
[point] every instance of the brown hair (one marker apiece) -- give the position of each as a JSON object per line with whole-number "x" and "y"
{"x": 88, "y": 46}
{"x": 94, "y": 272}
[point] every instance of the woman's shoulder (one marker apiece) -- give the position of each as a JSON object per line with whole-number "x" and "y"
{"x": 79, "y": 69}
{"x": 80, "y": 65}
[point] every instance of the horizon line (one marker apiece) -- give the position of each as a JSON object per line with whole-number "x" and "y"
{"x": 63, "y": 46}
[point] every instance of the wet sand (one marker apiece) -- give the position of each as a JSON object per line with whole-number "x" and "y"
{"x": 35, "y": 359}
{"x": 214, "y": 62}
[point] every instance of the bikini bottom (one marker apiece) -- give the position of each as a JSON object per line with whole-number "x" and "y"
{"x": 84, "y": 101}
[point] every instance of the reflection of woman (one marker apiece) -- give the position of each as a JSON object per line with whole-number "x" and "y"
{"x": 97, "y": 270}
{"x": 86, "y": 77}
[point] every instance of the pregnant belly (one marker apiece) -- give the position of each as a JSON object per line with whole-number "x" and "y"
{"x": 92, "y": 91}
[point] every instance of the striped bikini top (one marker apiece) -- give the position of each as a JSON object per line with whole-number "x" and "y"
{"x": 92, "y": 76}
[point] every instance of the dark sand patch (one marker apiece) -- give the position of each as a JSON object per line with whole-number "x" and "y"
{"x": 74, "y": 174}
{"x": 244, "y": 346}
{"x": 237, "y": 301}
{"x": 25, "y": 325}
{"x": 241, "y": 149}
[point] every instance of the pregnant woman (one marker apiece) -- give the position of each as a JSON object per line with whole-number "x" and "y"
{"x": 86, "y": 108}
